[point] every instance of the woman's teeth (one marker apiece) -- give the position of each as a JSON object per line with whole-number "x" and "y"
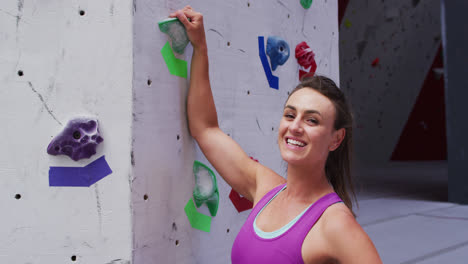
{"x": 295, "y": 142}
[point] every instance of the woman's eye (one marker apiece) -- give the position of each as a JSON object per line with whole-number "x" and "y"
{"x": 288, "y": 116}
{"x": 312, "y": 121}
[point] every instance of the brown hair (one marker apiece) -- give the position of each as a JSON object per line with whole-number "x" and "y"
{"x": 338, "y": 164}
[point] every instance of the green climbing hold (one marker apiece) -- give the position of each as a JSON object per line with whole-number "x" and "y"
{"x": 176, "y": 31}
{"x": 306, "y": 3}
{"x": 206, "y": 189}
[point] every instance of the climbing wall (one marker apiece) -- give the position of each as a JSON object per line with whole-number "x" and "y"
{"x": 107, "y": 63}
{"x": 390, "y": 66}
{"x": 60, "y": 60}
{"x": 249, "y": 111}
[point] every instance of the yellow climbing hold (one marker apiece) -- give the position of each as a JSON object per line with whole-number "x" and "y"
{"x": 347, "y": 23}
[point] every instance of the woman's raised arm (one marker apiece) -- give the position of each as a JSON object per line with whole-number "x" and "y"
{"x": 232, "y": 163}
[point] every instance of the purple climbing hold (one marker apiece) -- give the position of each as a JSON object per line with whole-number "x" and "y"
{"x": 78, "y": 139}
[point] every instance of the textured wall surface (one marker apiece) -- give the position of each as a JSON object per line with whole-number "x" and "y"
{"x": 102, "y": 59}
{"x": 56, "y": 64}
{"x": 404, "y": 36}
{"x": 248, "y": 110}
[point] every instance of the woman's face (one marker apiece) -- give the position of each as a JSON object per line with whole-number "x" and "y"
{"x": 306, "y": 131}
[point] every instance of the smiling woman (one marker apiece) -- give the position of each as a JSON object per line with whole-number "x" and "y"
{"x": 300, "y": 219}
{"x": 324, "y": 93}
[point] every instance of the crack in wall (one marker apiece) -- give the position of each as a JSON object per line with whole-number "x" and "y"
{"x": 44, "y": 103}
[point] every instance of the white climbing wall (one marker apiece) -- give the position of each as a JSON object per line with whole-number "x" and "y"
{"x": 248, "y": 110}
{"x": 102, "y": 59}
{"x": 71, "y": 65}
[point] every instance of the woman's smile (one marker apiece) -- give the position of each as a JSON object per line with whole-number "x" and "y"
{"x": 295, "y": 143}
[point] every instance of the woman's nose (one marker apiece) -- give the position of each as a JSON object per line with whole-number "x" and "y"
{"x": 296, "y": 126}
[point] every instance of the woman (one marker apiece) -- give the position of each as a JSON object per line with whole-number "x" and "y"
{"x": 300, "y": 219}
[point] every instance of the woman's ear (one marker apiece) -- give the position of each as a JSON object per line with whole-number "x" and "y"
{"x": 338, "y": 136}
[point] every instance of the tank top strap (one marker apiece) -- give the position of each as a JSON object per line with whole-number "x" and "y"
{"x": 265, "y": 199}
{"x": 313, "y": 214}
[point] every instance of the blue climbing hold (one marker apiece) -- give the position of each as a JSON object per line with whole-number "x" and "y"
{"x": 278, "y": 51}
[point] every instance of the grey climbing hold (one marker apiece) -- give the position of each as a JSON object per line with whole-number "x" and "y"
{"x": 176, "y": 31}
{"x": 78, "y": 140}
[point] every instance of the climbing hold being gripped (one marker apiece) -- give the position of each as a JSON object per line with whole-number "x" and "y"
{"x": 176, "y": 32}
{"x": 278, "y": 51}
{"x": 306, "y": 59}
{"x": 78, "y": 140}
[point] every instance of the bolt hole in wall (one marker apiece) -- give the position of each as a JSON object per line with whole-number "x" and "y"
{"x": 149, "y": 82}
{"x": 82, "y": 12}
{"x": 229, "y": 43}
{"x": 20, "y": 73}
{"x": 76, "y": 135}
{"x": 18, "y": 196}
{"x": 73, "y": 258}
{"x": 177, "y": 242}
{"x": 248, "y": 92}
{"x": 227, "y": 231}
{"x": 248, "y": 4}
{"x": 178, "y": 137}
{"x": 145, "y": 197}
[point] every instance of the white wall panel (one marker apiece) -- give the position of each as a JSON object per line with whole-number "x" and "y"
{"x": 72, "y": 65}
{"x": 248, "y": 110}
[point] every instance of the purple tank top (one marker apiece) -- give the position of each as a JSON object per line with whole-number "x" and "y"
{"x": 286, "y": 248}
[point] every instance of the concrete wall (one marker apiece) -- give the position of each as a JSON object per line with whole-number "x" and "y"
{"x": 248, "y": 110}
{"x": 72, "y": 65}
{"x": 102, "y": 59}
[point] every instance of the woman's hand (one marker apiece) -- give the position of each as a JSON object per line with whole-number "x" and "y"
{"x": 193, "y": 22}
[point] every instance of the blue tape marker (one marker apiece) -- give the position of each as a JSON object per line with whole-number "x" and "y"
{"x": 79, "y": 176}
{"x": 273, "y": 81}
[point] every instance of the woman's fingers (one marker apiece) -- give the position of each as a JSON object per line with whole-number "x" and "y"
{"x": 183, "y": 18}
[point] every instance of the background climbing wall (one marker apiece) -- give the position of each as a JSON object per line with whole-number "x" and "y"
{"x": 59, "y": 60}
{"x": 248, "y": 110}
{"x": 389, "y": 52}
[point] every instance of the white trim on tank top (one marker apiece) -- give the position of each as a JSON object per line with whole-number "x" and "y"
{"x": 282, "y": 230}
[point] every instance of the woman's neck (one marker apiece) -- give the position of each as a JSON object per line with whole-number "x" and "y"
{"x": 307, "y": 184}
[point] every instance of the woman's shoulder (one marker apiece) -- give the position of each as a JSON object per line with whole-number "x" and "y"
{"x": 267, "y": 179}
{"x": 345, "y": 236}
{"x": 337, "y": 219}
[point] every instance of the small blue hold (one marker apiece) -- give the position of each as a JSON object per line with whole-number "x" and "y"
{"x": 278, "y": 51}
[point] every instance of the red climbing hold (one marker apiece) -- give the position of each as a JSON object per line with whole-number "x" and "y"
{"x": 375, "y": 62}
{"x": 305, "y": 58}
{"x": 239, "y": 202}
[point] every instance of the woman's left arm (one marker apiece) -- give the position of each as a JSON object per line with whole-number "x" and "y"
{"x": 349, "y": 241}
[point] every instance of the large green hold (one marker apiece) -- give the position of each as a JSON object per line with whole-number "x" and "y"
{"x": 206, "y": 188}
{"x": 176, "y": 31}
{"x": 306, "y": 3}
